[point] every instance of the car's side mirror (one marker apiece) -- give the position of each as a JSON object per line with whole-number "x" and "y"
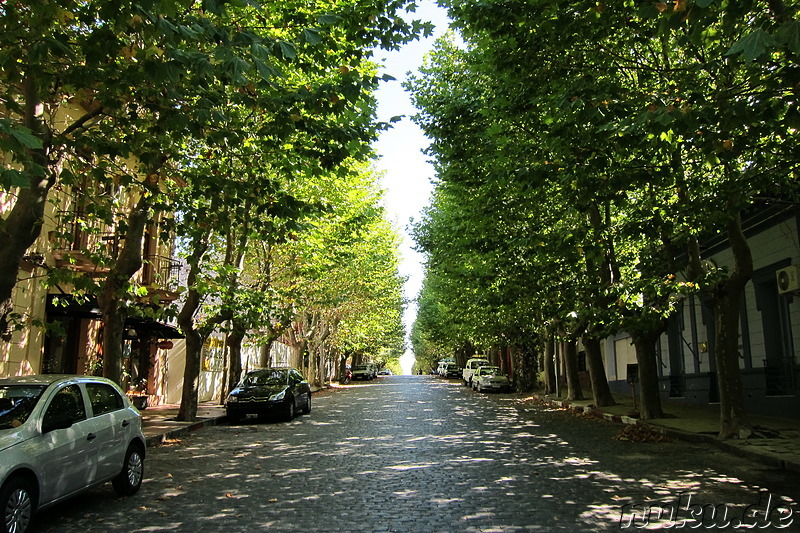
{"x": 56, "y": 422}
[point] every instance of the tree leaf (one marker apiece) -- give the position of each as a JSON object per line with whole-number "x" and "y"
{"x": 22, "y": 134}
{"x": 312, "y": 36}
{"x": 10, "y": 178}
{"x": 789, "y": 35}
{"x": 753, "y": 45}
{"x": 287, "y": 49}
{"x": 328, "y": 19}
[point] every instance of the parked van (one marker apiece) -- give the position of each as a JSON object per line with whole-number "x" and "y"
{"x": 450, "y": 370}
{"x": 470, "y": 367}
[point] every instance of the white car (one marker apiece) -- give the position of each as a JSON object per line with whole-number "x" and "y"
{"x": 363, "y": 372}
{"x": 60, "y": 435}
{"x": 469, "y": 369}
{"x": 490, "y": 378}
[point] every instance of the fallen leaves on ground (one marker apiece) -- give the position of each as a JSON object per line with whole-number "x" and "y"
{"x": 638, "y": 433}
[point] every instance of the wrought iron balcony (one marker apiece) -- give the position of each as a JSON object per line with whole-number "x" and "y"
{"x": 161, "y": 277}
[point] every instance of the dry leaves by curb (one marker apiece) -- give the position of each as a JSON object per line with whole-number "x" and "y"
{"x": 636, "y": 433}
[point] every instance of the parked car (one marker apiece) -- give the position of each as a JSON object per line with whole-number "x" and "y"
{"x": 469, "y": 368}
{"x": 490, "y": 378}
{"x": 442, "y": 368}
{"x": 363, "y": 372}
{"x": 451, "y": 370}
{"x": 61, "y": 435}
{"x": 385, "y": 372}
{"x": 269, "y": 391}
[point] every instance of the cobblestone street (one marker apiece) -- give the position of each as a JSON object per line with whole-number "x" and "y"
{"x": 417, "y": 453}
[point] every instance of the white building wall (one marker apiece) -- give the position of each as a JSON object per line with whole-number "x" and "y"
{"x": 774, "y": 244}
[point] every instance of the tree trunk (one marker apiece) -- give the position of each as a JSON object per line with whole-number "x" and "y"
{"x": 224, "y": 387}
{"x": 526, "y": 370}
{"x": 111, "y": 298}
{"x": 733, "y": 416}
{"x": 191, "y": 367}
{"x": 645, "y": 344}
{"x": 234, "y": 342}
{"x": 342, "y": 367}
{"x": 194, "y": 340}
{"x": 22, "y": 226}
{"x": 601, "y": 392}
{"x": 265, "y": 355}
{"x": 550, "y": 367}
{"x": 191, "y": 373}
{"x": 574, "y": 391}
{"x": 727, "y": 298}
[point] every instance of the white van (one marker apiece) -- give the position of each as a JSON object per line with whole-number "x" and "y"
{"x": 470, "y": 367}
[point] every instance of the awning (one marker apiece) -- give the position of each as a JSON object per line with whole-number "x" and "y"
{"x": 146, "y": 327}
{"x": 66, "y": 305}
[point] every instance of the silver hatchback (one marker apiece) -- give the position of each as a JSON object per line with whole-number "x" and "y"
{"x": 60, "y": 435}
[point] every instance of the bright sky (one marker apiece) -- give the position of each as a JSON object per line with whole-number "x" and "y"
{"x": 407, "y": 173}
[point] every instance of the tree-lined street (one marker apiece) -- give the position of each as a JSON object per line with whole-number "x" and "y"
{"x": 415, "y": 453}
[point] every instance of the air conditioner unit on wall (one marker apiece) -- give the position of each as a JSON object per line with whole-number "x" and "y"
{"x": 788, "y": 279}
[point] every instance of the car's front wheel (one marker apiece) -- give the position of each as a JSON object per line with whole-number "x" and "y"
{"x": 17, "y": 503}
{"x": 130, "y": 478}
{"x": 307, "y": 408}
{"x": 289, "y": 409}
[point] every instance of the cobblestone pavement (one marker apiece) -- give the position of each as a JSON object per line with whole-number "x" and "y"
{"x": 417, "y": 453}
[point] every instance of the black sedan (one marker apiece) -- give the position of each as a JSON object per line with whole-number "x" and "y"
{"x": 268, "y": 391}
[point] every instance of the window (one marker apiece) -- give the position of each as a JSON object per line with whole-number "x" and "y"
{"x": 17, "y": 403}
{"x": 104, "y": 398}
{"x": 67, "y": 405}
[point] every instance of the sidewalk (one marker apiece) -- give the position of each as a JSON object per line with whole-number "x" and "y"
{"x": 159, "y": 424}
{"x": 775, "y": 441}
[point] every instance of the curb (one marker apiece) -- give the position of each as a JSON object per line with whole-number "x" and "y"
{"x": 696, "y": 438}
{"x": 157, "y": 440}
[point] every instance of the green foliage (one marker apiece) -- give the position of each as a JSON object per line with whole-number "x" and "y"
{"x": 237, "y": 124}
{"x": 578, "y": 150}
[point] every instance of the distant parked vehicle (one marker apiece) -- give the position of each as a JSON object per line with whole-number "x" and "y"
{"x": 469, "y": 368}
{"x": 442, "y": 367}
{"x": 452, "y": 370}
{"x": 490, "y": 378}
{"x": 362, "y": 372}
{"x": 385, "y": 372}
{"x": 60, "y": 435}
{"x": 267, "y": 391}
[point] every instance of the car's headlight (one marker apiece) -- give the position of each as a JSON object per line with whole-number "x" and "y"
{"x": 278, "y": 396}
{"x": 233, "y": 399}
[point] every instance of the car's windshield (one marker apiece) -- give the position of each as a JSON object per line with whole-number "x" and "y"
{"x": 17, "y": 403}
{"x": 484, "y": 370}
{"x": 361, "y": 367}
{"x": 264, "y": 378}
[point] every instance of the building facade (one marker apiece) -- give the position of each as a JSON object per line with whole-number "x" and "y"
{"x": 769, "y": 327}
